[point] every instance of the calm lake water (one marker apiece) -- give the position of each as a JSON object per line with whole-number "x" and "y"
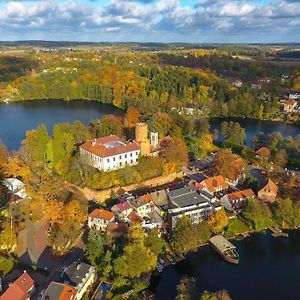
{"x": 16, "y": 118}
{"x": 268, "y": 270}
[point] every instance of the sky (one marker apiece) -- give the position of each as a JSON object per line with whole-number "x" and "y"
{"x": 195, "y": 21}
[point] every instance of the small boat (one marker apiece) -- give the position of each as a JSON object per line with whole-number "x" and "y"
{"x": 223, "y": 247}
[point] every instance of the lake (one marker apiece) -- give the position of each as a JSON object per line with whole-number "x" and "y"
{"x": 16, "y": 118}
{"x": 268, "y": 270}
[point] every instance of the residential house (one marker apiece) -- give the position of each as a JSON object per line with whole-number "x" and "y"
{"x": 122, "y": 210}
{"x": 289, "y": 105}
{"x": 117, "y": 230}
{"x": 263, "y": 153}
{"x": 100, "y": 218}
{"x": 256, "y": 85}
{"x": 192, "y": 203}
{"x": 160, "y": 198}
{"x": 141, "y": 207}
{"x": 214, "y": 184}
{"x": 21, "y": 289}
{"x": 16, "y": 187}
{"x": 264, "y": 80}
{"x": 237, "y": 83}
{"x": 154, "y": 219}
{"x": 269, "y": 192}
{"x": 59, "y": 291}
{"x": 135, "y": 218}
{"x": 80, "y": 276}
{"x": 235, "y": 201}
{"x": 110, "y": 153}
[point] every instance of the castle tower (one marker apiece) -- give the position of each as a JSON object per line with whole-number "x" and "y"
{"x": 154, "y": 139}
{"x": 141, "y": 137}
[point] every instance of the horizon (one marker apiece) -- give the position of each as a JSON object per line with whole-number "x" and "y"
{"x": 145, "y": 21}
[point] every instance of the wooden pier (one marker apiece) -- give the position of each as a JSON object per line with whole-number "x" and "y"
{"x": 277, "y": 232}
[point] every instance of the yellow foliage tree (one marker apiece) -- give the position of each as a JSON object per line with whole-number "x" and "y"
{"x": 218, "y": 221}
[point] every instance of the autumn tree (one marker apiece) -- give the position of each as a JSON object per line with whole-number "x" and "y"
{"x": 132, "y": 117}
{"x": 154, "y": 242}
{"x": 233, "y": 134}
{"x": 8, "y": 237}
{"x": 137, "y": 258}
{"x": 186, "y": 289}
{"x": 218, "y": 221}
{"x": 284, "y": 211}
{"x": 205, "y": 144}
{"x": 175, "y": 155}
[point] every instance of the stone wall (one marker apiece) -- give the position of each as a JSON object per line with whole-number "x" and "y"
{"x": 101, "y": 196}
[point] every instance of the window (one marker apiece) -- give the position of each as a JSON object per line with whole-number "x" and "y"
{"x": 120, "y": 164}
{"x": 131, "y": 161}
{"x": 108, "y": 160}
{"x": 125, "y": 155}
{"x": 120, "y": 157}
{"x": 136, "y": 153}
{"x": 131, "y": 154}
{"x": 114, "y": 159}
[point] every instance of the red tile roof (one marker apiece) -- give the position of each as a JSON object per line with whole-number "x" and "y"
{"x": 19, "y": 289}
{"x": 240, "y": 194}
{"x": 134, "y": 218}
{"x": 123, "y": 206}
{"x": 103, "y": 214}
{"x": 115, "y": 228}
{"x": 264, "y": 151}
{"x": 146, "y": 198}
{"x": 68, "y": 293}
{"x": 101, "y": 148}
{"x": 214, "y": 183}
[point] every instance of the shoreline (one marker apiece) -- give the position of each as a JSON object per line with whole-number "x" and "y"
{"x": 110, "y": 104}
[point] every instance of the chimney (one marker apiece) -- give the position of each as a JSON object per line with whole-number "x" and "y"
{"x": 94, "y": 142}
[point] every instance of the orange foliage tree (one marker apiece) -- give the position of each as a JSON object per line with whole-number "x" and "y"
{"x": 132, "y": 117}
{"x": 218, "y": 221}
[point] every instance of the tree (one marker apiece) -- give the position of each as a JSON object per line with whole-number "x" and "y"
{"x": 132, "y": 117}
{"x": 184, "y": 237}
{"x": 95, "y": 248}
{"x": 175, "y": 155}
{"x": 205, "y": 144}
{"x": 218, "y": 221}
{"x": 257, "y": 213}
{"x": 229, "y": 165}
{"x": 136, "y": 258}
{"x": 186, "y": 289}
{"x": 154, "y": 242}
{"x": 233, "y": 134}
{"x": 54, "y": 211}
{"x": 34, "y": 147}
{"x": 284, "y": 211}
{"x": 75, "y": 211}
{"x": 15, "y": 167}
{"x": 220, "y": 295}
{"x": 281, "y": 158}
{"x": 8, "y": 237}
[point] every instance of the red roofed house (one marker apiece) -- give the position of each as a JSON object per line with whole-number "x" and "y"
{"x": 235, "y": 201}
{"x": 269, "y": 192}
{"x": 263, "y": 152}
{"x": 21, "y": 289}
{"x": 100, "y": 218}
{"x": 117, "y": 230}
{"x": 110, "y": 153}
{"x": 215, "y": 184}
{"x": 122, "y": 210}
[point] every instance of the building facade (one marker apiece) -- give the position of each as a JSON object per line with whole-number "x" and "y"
{"x": 110, "y": 153}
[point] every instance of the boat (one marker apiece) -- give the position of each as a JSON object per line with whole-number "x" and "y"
{"x": 224, "y": 248}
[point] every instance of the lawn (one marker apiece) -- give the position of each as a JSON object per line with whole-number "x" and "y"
{"x": 236, "y": 226}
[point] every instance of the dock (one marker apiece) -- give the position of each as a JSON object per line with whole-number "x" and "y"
{"x": 224, "y": 248}
{"x": 277, "y": 232}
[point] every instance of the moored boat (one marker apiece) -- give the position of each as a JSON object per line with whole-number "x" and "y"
{"x": 226, "y": 249}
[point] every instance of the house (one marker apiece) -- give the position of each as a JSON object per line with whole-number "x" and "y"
{"x": 235, "y": 201}
{"x": 289, "y": 105}
{"x": 237, "y": 167}
{"x": 188, "y": 201}
{"x": 16, "y": 187}
{"x": 269, "y": 192}
{"x": 122, "y": 210}
{"x": 80, "y": 276}
{"x": 294, "y": 95}
{"x": 99, "y": 219}
{"x": 117, "y": 230}
{"x": 215, "y": 184}
{"x": 160, "y": 198}
{"x": 110, "y": 153}
{"x": 21, "y": 289}
{"x": 264, "y": 80}
{"x": 238, "y": 83}
{"x": 153, "y": 220}
{"x": 141, "y": 207}
{"x": 263, "y": 153}
{"x": 59, "y": 291}
{"x": 256, "y": 85}
{"x": 134, "y": 218}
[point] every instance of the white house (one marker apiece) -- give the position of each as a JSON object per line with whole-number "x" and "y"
{"x": 235, "y": 201}
{"x": 16, "y": 187}
{"x": 100, "y": 218}
{"x": 110, "y": 153}
{"x": 122, "y": 210}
